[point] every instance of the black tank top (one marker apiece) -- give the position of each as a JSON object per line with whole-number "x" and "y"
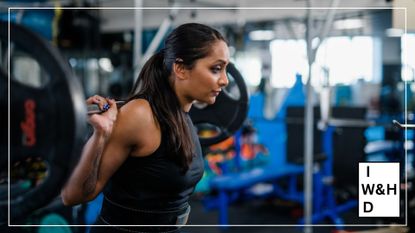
{"x": 156, "y": 182}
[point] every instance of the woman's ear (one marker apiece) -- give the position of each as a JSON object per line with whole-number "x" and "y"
{"x": 179, "y": 69}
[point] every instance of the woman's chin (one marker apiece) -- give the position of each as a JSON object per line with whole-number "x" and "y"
{"x": 212, "y": 100}
{"x": 207, "y": 101}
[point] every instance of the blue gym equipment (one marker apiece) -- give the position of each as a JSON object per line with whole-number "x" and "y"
{"x": 275, "y": 134}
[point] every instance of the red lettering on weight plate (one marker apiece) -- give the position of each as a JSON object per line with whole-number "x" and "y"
{"x": 28, "y": 126}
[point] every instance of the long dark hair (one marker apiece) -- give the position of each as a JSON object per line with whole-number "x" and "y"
{"x": 187, "y": 43}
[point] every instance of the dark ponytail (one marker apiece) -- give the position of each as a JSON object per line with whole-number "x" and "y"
{"x": 153, "y": 84}
{"x": 188, "y": 42}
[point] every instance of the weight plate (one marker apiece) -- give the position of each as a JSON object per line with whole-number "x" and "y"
{"x": 47, "y": 119}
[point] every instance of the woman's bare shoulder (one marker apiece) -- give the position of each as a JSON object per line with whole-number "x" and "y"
{"x": 139, "y": 127}
{"x": 137, "y": 111}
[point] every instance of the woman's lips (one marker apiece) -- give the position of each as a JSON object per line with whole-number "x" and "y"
{"x": 215, "y": 93}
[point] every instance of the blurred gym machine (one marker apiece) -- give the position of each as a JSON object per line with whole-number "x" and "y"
{"x": 336, "y": 154}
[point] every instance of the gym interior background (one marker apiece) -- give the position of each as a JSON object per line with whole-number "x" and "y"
{"x": 362, "y": 59}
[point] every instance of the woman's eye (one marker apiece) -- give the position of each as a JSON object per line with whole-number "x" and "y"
{"x": 216, "y": 69}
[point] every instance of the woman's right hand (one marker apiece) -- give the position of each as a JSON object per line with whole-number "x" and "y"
{"x": 103, "y": 123}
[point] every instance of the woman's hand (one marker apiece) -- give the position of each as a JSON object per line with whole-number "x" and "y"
{"x": 103, "y": 123}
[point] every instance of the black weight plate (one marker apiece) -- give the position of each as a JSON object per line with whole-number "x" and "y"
{"x": 3, "y": 121}
{"x": 228, "y": 112}
{"x": 31, "y": 121}
{"x": 47, "y": 121}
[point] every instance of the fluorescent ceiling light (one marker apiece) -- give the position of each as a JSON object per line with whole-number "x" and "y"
{"x": 262, "y": 35}
{"x": 348, "y": 24}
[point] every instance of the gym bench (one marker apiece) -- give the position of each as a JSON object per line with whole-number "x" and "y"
{"x": 228, "y": 186}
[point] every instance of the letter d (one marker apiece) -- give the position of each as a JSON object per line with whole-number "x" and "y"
{"x": 367, "y": 210}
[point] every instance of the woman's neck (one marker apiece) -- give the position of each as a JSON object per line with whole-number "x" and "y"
{"x": 184, "y": 103}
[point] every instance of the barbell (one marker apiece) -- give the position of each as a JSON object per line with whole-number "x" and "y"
{"x": 47, "y": 121}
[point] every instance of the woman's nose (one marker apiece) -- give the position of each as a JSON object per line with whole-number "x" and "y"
{"x": 223, "y": 81}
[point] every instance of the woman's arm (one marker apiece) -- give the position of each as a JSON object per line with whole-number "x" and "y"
{"x": 106, "y": 150}
{"x": 81, "y": 186}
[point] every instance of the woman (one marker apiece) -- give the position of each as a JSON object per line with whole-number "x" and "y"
{"x": 145, "y": 156}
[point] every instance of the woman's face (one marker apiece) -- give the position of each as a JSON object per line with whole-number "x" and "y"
{"x": 208, "y": 76}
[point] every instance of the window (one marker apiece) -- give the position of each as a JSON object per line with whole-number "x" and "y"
{"x": 249, "y": 65}
{"x": 343, "y": 59}
{"x": 289, "y": 57}
{"x": 408, "y": 57}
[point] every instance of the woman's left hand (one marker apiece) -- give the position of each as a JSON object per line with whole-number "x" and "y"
{"x": 103, "y": 123}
